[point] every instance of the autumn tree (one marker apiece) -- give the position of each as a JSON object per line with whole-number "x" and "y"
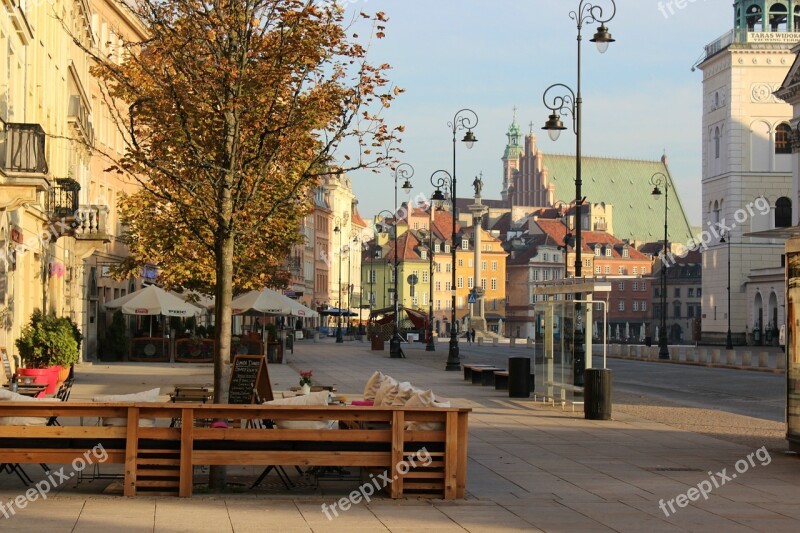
{"x": 230, "y": 111}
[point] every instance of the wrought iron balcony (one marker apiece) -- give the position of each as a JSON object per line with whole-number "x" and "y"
{"x": 22, "y": 149}
{"x": 62, "y": 200}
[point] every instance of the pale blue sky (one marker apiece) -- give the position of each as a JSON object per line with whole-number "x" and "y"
{"x": 640, "y": 97}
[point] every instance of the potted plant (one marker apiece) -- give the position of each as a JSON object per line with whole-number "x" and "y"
{"x": 116, "y": 342}
{"x": 46, "y": 344}
{"x": 305, "y": 381}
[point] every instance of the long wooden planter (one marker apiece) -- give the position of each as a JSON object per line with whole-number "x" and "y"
{"x": 163, "y": 458}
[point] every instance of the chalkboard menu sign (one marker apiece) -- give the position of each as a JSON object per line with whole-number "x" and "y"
{"x": 248, "y": 374}
{"x": 6, "y": 362}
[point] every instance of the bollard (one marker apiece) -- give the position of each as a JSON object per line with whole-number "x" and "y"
{"x": 747, "y": 358}
{"x": 480, "y": 341}
{"x": 691, "y": 353}
{"x": 512, "y": 342}
{"x": 730, "y": 357}
{"x": 494, "y": 341}
{"x": 715, "y": 353}
{"x": 763, "y": 360}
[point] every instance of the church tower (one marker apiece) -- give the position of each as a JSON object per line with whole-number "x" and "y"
{"x": 511, "y": 159}
{"x": 747, "y": 179}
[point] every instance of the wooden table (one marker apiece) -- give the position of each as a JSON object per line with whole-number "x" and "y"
{"x": 34, "y": 390}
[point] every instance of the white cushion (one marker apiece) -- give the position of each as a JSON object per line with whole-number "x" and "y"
{"x": 404, "y": 392}
{"x": 425, "y": 399}
{"x": 151, "y": 395}
{"x": 314, "y": 398}
{"x": 388, "y": 384}
{"x": 8, "y": 396}
{"x": 371, "y": 388}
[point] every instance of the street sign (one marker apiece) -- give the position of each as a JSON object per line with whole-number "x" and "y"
{"x": 472, "y": 298}
{"x": 412, "y": 279}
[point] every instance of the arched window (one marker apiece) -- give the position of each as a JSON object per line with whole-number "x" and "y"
{"x": 716, "y": 142}
{"x": 783, "y": 212}
{"x": 716, "y": 211}
{"x": 753, "y": 16}
{"x": 777, "y": 17}
{"x": 782, "y": 139}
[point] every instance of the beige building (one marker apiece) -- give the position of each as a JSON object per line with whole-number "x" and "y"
{"x": 58, "y": 233}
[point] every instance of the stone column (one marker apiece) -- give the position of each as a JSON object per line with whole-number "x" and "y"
{"x": 477, "y": 318}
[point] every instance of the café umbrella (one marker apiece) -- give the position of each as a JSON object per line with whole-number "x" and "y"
{"x": 152, "y": 300}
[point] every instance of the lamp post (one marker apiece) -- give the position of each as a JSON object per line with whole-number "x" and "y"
{"x": 726, "y": 238}
{"x": 337, "y": 221}
{"x": 569, "y": 103}
{"x": 430, "y": 346}
{"x": 659, "y": 180}
{"x": 405, "y": 171}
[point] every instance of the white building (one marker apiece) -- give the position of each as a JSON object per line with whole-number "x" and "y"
{"x": 747, "y": 178}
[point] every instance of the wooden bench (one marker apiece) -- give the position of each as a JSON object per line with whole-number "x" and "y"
{"x": 468, "y": 370}
{"x": 501, "y": 380}
{"x": 161, "y": 458}
{"x": 484, "y": 375}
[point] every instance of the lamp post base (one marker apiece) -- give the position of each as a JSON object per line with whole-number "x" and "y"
{"x": 663, "y": 349}
{"x": 395, "y": 351}
{"x": 339, "y": 337}
{"x": 453, "y": 363}
{"x": 729, "y": 341}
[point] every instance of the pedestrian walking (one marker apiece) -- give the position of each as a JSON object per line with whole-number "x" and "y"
{"x": 472, "y": 332}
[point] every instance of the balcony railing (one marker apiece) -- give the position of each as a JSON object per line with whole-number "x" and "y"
{"x": 62, "y": 200}
{"x": 91, "y": 223}
{"x": 78, "y": 114}
{"x": 22, "y": 149}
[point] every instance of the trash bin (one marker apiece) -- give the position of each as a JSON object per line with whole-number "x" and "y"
{"x": 377, "y": 342}
{"x": 519, "y": 377}
{"x": 290, "y": 342}
{"x": 597, "y": 394}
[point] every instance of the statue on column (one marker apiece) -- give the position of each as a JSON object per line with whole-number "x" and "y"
{"x": 478, "y": 184}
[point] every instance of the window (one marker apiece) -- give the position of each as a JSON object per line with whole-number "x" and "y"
{"x": 644, "y": 271}
{"x": 436, "y": 248}
{"x": 470, "y": 282}
{"x": 716, "y": 142}
{"x": 448, "y": 286}
{"x": 635, "y": 270}
{"x": 598, "y": 307}
{"x": 483, "y": 283}
{"x": 556, "y": 258}
{"x": 535, "y": 275}
{"x": 414, "y": 301}
{"x": 460, "y": 283}
{"x": 545, "y": 257}
{"x": 372, "y": 276}
{"x": 597, "y": 270}
{"x": 483, "y": 266}
{"x": 424, "y": 276}
{"x": 494, "y": 284}
{"x": 416, "y": 225}
{"x": 644, "y": 305}
{"x": 438, "y": 285}
{"x": 494, "y": 266}
{"x": 597, "y": 251}
{"x": 465, "y": 244}
{"x": 643, "y": 286}
{"x": 635, "y": 286}
{"x": 448, "y": 267}
{"x": 783, "y": 143}
{"x": 438, "y": 305}
{"x": 469, "y": 263}
{"x": 423, "y": 255}
{"x": 608, "y": 251}
{"x": 783, "y": 212}
{"x": 608, "y": 270}
{"x": 677, "y": 292}
{"x": 621, "y": 285}
{"x": 621, "y": 306}
{"x": 447, "y": 248}
{"x": 461, "y": 262}
{"x": 460, "y": 303}
{"x": 677, "y": 309}
{"x": 621, "y": 270}
{"x": 626, "y": 252}
{"x": 635, "y": 305}
{"x": 438, "y": 267}
{"x": 691, "y": 292}
{"x": 689, "y": 311}
{"x": 588, "y": 263}
{"x": 699, "y": 292}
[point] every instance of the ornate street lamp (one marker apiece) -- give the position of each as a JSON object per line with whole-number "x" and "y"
{"x": 337, "y": 221}
{"x": 430, "y": 346}
{"x": 726, "y": 238}
{"x": 569, "y": 103}
{"x": 659, "y": 180}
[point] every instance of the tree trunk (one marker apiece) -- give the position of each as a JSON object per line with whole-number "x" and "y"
{"x": 222, "y": 335}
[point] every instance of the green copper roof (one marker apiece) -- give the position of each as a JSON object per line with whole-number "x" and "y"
{"x": 513, "y": 148}
{"x": 625, "y": 184}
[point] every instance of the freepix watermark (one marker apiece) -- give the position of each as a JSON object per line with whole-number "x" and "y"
{"x": 716, "y": 229}
{"x": 715, "y": 481}
{"x": 365, "y": 491}
{"x": 669, "y": 7}
{"x": 53, "y": 480}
